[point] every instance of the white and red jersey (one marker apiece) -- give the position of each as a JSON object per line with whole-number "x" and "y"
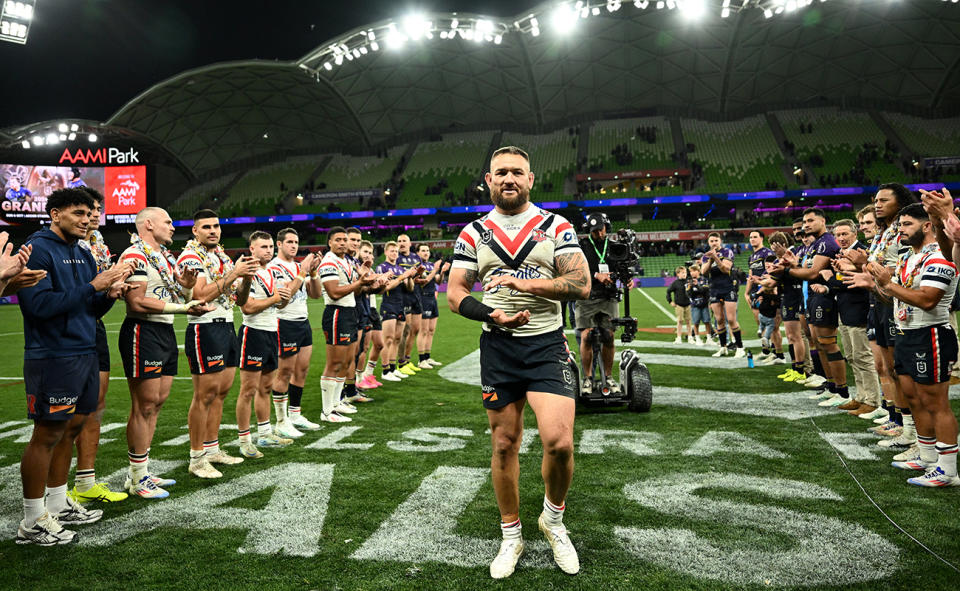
{"x": 285, "y": 273}
{"x": 190, "y": 259}
{"x": 263, "y": 286}
{"x": 927, "y": 268}
{"x": 524, "y": 245}
{"x": 339, "y": 268}
{"x": 144, "y": 272}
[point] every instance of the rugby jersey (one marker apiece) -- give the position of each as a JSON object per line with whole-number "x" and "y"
{"x": 396, "y": 295}
{"x": 719, "y": 281}
{"x": 339, "y": 268}
{"x": 144, "y": 272}
{"x": 190, "y": 260}
{"x": 263, "y": 286}
{"x": 285, "y": 273}
{"x": 926, "y": 268}
{"x": 524, "y": 245}
{"x": 756, "y": 261}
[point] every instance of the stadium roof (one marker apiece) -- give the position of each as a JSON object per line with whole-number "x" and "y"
{"x": 872, "y": 53}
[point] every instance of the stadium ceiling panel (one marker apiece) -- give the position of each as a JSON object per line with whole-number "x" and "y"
{"x": 383, "y": 83}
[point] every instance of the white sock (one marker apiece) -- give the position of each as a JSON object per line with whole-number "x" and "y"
{"x": 263, "y": 429}
{"x": 328, "y": 393}
{"x": 928, "y": 449}
{"x": 357, "y": 377}
{"x": 85, "y": 479}
{"x": 57, "y": 499}
{"x": 339, "y": 391}
{"x": 33, "y": 509}
{"x": 293, "y": 412}
{"x": 552, "y": 514}
{"x": 947, "y": 457}
{"x": 511, "y": 531}
{"x": 196, "y": 456}
{"x": 909, "y": 428}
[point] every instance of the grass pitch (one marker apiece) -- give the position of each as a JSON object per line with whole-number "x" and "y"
{"x": 733, "y": 480}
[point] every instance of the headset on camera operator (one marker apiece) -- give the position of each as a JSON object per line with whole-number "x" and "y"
{"x": 604, "y": 298}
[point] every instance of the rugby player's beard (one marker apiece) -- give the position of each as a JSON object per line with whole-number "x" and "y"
{"x": 915, "y": 240}
{"x": 510, "y": 206}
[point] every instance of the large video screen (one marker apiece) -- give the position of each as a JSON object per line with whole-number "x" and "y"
{"x": 24, "y": 189}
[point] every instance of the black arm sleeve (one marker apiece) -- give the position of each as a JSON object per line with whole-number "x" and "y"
{"x": 474, "y": 310}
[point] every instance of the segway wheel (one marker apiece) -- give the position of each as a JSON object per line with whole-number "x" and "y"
{"x": 640, "y": 388}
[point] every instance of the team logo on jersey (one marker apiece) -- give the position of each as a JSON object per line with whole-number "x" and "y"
{"x": 538, "y": 235}
{"x": 486, "y": 236}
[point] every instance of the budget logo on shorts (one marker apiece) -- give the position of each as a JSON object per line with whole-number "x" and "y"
{"x": 488, "y": 393}
{"x": 153, "y": 366}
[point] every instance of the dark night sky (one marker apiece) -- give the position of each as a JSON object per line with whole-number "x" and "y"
{"x": 86, "y": 58}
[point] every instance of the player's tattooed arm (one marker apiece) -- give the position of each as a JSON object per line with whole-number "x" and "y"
{"x": 572, "y": 281}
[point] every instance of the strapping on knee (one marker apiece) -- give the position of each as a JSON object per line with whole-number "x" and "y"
{"x": 827, "y": 341}
{"x": 835, "y": 355}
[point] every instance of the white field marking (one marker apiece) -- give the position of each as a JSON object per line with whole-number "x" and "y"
{"x": 685, "y": 346}
{"x": 639, "y": 443}
{"x": 11, "y": 503}
{"x": 335, "y": 440}
{"x": 714, "y": 442}
{"x": 792, "y": 406}
{"x": 659, "y": 306}
{"x": 300, "y": 489}
{"x": 6, "y": 424}
{"x": 826, "y": 550}
{"x": 526, "y": 440}
{"x": 422, "y": 527}
{"x": 432, "y": 439}
{"x": 849, "y": 444}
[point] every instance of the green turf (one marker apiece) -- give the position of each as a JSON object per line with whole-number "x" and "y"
{"x": 369, "y": 486}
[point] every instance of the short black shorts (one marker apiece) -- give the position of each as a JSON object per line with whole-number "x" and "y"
{"x": 512, "y": 366}
{"x": 210, "y": 347}
{"x": 430, "y": 309}
{"x": 887, "y": 332}
{"x": 412, "y": 303}
{"x": 374, "y": 320}
{"x": 718, "y": 296}
{"x": 361, "y": 313}
{"x": 926, "y": 354}
{"x": 822, "y": 310}
{"x": 103, "y": 348}
{"x": 339, "y": 325}
{"x": 148, "y": 349}
{"x": 59, "y": 388}
{"x": 259, "y": 349}
{"x": 392, "y": 311}
{"x": 294, "y": 335}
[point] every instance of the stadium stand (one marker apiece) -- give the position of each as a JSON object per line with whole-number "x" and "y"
{"x": 360, "y": 172}
{"x": 843, "y": 147}
{"x": 260, "y": 190}
{"x": 553, "y": 159}
{"x": 191, "y": 200}
{"x": 735, "y": 155}
{"x": 927, "y": 137}
{"x": 630, "y": 144}
{"x": 441, "y": 171}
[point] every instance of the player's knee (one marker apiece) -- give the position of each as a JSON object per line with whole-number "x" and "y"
{"x": 505, "y": 443}
{"x": 559, "y": 447}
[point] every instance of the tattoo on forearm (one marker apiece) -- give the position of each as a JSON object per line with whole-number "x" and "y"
{"x": 572, "y": 276}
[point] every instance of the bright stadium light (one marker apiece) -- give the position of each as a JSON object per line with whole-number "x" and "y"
{"x": 74, "y": 127}
{"x": 613, "y": 5}
{"x": 327, "y": 66}
{"x": 563, "y": 19}
{"x": 25, "y": 144}
{"x": 374, "y": 46}
{"x": 394, "y": 39}
{"x": 72, "y": 136}
{"x": 52, "y": 139}
{"x": 92, "y": 138}
{"x": 416, "y": 26}
{"x": 15, "y": 20}
{"x": 63, "y": 128}
{"x": 693, "y": 9}
{"x": 37, "y": 140}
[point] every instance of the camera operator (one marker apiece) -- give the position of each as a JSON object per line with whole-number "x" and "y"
{"x": 603, "y": 299}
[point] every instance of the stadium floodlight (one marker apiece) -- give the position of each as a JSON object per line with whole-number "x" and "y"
{"x": 63, "y": 137}
{"x": 394, "y": 39}
{"x": 613, "y": 5}
{"x": 671, "y": 4}
{"x": 72, "y": 136}
{"x": 15, "y": 20}
{"x": 25, "y": 144}
{"x": 563, "y": 19}
{"x": 375, "y": 46}
{"x": 416, "y": 26}
{"x": 498, "y": 39}
{"x": 327, "y": 66}
{"x": 63, "y": 128}
{"x": 371, "y": 36}
{"x": 660, "y": 4}
{"x": 693, "y": 9}
{"x": 52, "y": 139}
{"x": 37, "y": 140}
{"x": 595, "y": 11}
{"x": 92, "y": 138}
{"x": 74, "y": 127}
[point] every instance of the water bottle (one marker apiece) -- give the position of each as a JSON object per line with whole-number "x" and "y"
{"x": 749, "y": 359}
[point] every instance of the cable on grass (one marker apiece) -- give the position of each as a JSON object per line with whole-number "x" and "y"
{"x": 882, "y": 512}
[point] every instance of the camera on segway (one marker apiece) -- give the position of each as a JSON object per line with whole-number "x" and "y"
{"x": 634, "y": 387}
